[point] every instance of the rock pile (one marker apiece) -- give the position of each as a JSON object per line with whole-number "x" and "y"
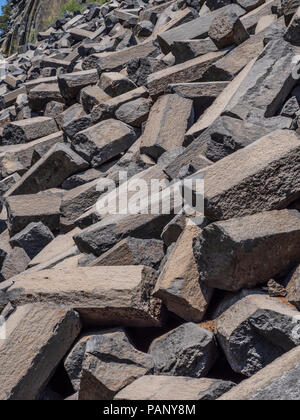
{"x": 152, "y": 304}
{"x": 25, "y": 18}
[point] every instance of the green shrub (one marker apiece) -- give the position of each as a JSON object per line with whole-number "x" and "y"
{"x": 72, "y": 6}
{"x": 76, "y": 6}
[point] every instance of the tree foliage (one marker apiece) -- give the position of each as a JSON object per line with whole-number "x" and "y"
{"x": 4, "y": 18}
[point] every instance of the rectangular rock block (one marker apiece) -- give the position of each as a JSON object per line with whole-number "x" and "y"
{"x": 267, "y": 85}
{"x": 190, "y": 71}
{"x": 196, "y": 29}
{"x": 263, "y": 176}
{"x": 104, "y": 296}
{"x": 38, "y": 337}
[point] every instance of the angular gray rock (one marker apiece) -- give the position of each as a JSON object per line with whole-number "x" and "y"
{"x": 293, "y": 30}
{"x": 276, "y": 382}
{"x": 192, "y": 48}
{"x": 178, "y": 285}
{"x": 32, "y": 239}
{"x": 203, "y": 94}
{"x": 267, "y": 85}
{"x": 81, "y": 178}
{"x": 50, "y": 171}
{"x": 150, "y": 97}
{"x": 218, "y": 106}
{"x": 247, "y": 251}
{"x": 15, "y": 262}
{"x": 74, "y": 359}
{"x": 91, "y": 96}
{"x": 38, "y": 338}
{"x": 54, "y": 109}
{"x": 251, "y": 19}
{"x": 115, "y": 61}
{"x": 115, "y": 84}
{"x": 135, "y": 112}
{"x": 227, "y": 29}
{"x": 190, "y": 71}
{"x": 28, "y": 130}
{"x": 169, "y": 119}
{"x": 102, "y": 236}
{"x": 39, "y": 96}
{"x": 228, "y": 67}
{"x": 103, "y": 141}
{"x": 262, "y": 176}
{"x": 139, "y": 69}
{"x": 175, "y": 388}
{"x": 113, "y": 296}
{"x": 133, "y": 251}
{"x": 73, "y": 120}
{"x": 55, "y": 249}
{"x": 291, "y": 108}
{"x": 106, "y": 109}
{"x": 8, "y": 182}
{"x": 77, "y": 200}
{"x": 110, "y": 363}
{"x": 70, "y": 84}
{"x": 196, "y": 29}
{"x": 174, "y": 229}
{"x": 249, "y": 5}
{"x": 257, "y": 330}
{"x": 189, "y": 350}
{"x": 227, "y": 135}
{"x": 192, "y": 158}
{"x": 24, "y": 209}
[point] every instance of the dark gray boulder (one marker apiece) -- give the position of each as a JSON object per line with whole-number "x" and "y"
{"x": 189, "y": 350}
{"x": 33, "y": 238}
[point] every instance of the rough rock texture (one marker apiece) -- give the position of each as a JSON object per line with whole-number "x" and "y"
{"x": 115, "y": 227}
{"x": 103, "y": 141}
{"x": 150, "y": 182}
{"x": 25, "y": 209}
{"x": 276, "y": 382}
{"x": 74, "y": 359}
{"x": 255, "y": 331}
{"x": 189, "y": 350}
{"x": 227, "y": 29}
{"x": 178, "y": 285}
{"x": 112, "y": 295}
{"x": 226, "y": 251}
{"x": 197, "y": 29}
{"x": 293, "y": 288}
{"x": 110, "y": 363}
{"x": 50, "y": 171}
{"x": 15, "y": 262}
{"x": 292, "y": 32}
{"x": 33, "y": 238}
{"x": 38, "y": 336}
{"x": 169, "y": 119}
{"x": 71, "y": 84}
{"x": 174, "y": 388}
{"x": 25, "y": 131}
{"x": 234, "y": 186}
{"x": 274, "y": 68}
{"x": 133, "y": 251}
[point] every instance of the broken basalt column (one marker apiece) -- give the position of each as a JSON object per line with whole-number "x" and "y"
{"x": 123, "y": 294}
{"x": 255, "y": 331}
{"x": 226, "y": 251}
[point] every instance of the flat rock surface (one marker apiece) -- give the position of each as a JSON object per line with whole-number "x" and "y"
{"x": 111, "y": 294}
